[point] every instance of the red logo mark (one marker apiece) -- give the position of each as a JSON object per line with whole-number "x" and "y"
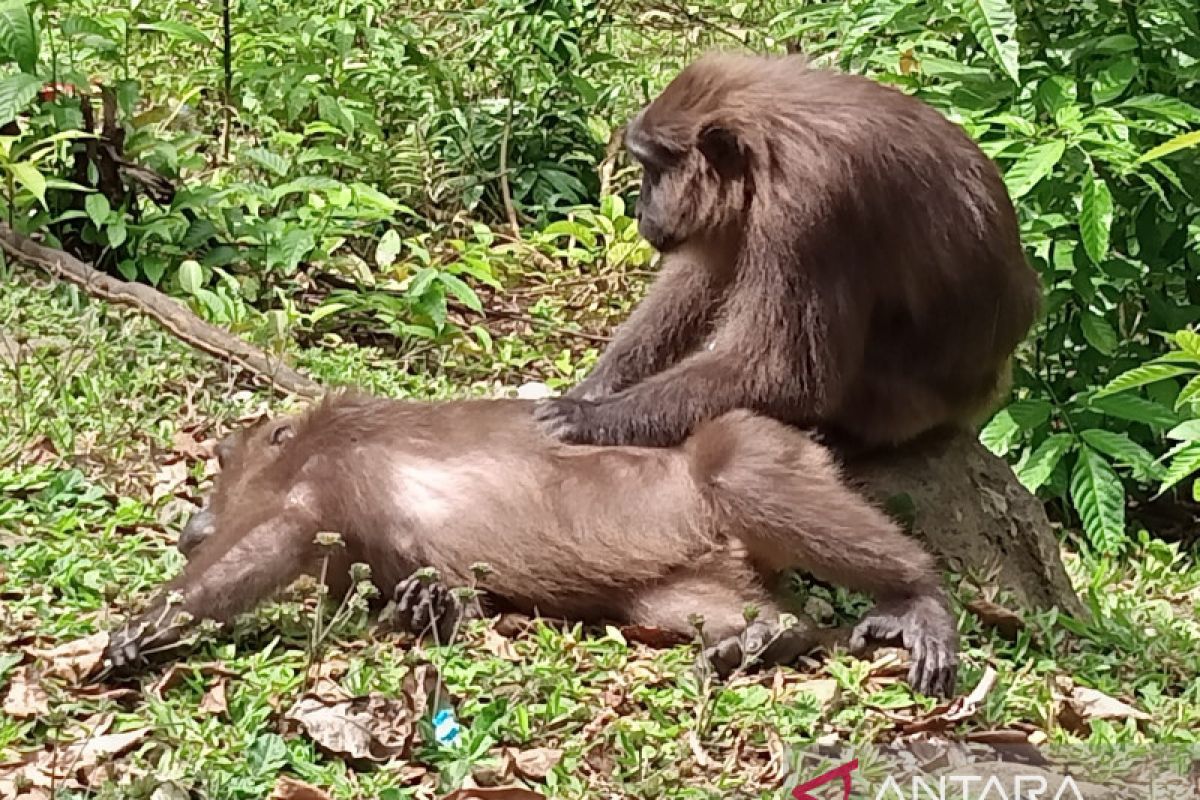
{"x": 801, "y": 792}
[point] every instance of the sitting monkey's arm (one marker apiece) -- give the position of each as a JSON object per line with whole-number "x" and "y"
{"x": 667, "y": 325}
{"x": 786, "y": 362}
{"x": 230, "y": 573}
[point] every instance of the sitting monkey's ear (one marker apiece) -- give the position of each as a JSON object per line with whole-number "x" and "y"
{"x": 282, "y": 433}
{"x": 721, "y": 147}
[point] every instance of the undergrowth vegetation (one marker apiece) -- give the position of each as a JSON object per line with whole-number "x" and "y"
{"x": 430, "y": 198}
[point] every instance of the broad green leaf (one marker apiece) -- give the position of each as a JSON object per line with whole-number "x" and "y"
{"x": 325, "y": 310}
{"x": 1124, "y": 451}
{"x": 1040, "y": 465}
{"x": 1188, "y": 431}
{"x": 388, "y": 248}
{"x": 1181, "y": 142}
{"x": 1096, "y": 216}
{"x": 1136, "y": 409}
{"x": 1000, "y": 433}
{"x": 331, "y": 110}
{"x": 461, "y": 291}
{"x": 1098, "y": 333}
{"x": 572, "y": 228}
{"x": 18, "y": 36}
{"x": 292, "y": 248}
{"x": 1169, "y": 108}
{"x": 1099, "y": 497}
{"x": 874, "y": 17}
{"x": 309, "y": 183}
{"x": 116, "y": 233}
{"x": 97, "y": 208}
{"x": 1140, "y": 376}
{"x": 273, "y": 162}
{"x": 31, "y": 178}
{"x": 178, "y": 30}
{"x": 1113, "y": 79}
{"x": 422, "y": 281}
{"x": 1029, "y": 414}
{"x": 995, "y": 28}
{"x": 191, "y": 276}
{"x": 1190, "y": 394}
{"x": 1032, "y": 166}
{"x": 16, "y": 93}
{"x": 1184, "y": 462}
{"x": 1189, "y": 342}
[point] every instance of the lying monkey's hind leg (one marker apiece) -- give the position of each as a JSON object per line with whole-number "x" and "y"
{"x": 421, "y": 605}
{"x": 763, "y": 644}
{"x": 925, "y": 627}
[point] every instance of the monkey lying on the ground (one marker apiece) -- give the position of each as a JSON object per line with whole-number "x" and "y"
{"x": 836, "y": 254}
{"x": 647, "y": 536}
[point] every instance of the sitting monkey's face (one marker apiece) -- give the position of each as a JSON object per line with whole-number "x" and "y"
{"x": 242, "y": 455}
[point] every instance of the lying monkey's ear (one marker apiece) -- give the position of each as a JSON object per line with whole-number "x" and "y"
{"x": 282, "y": 434}
{"x": 721, "y": 147}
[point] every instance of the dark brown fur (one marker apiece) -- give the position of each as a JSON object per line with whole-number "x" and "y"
{"x": 642, "y": 535}
{"x": 835, "y": 254}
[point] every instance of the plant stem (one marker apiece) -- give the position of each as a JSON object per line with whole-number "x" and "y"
{"x": 227, "y": 66}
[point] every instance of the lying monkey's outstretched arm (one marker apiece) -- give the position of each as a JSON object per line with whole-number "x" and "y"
{"x": 228, "y": 574}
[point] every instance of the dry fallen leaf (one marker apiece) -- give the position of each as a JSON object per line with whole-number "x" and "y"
{"x": 168, "y": 479}
{"x": 1078, "y": 710}
{"x": 495, "y": 793}
{"x": 74, "y": 661}
{"x": 535, "y": 764}
{"x": 825, "y": 690}
{"x": 961, "y": 708}
{"x": 499, "y": 646}
{"x": 214, "y": 701}
{"x": 372, "y": 728}
{"x": 74, "y": 765}
{"x": 178, "y": 671}
{"x": 26, "y": 698}
{"x": 184, "y": 444}
{"x": 291, "y": 789}
{"x": 1008, "y": 624}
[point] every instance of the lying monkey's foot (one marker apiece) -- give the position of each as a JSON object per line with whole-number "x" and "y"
{"x": 763, "y": 644}
{"x": 925, "y": 627}
{"x": 423, "y": 605}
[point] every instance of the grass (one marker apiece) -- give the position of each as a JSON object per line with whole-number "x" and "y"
{"x": 88, "y": 515}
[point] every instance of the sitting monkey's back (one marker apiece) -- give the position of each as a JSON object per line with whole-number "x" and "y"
{"x": 452, "y": 483}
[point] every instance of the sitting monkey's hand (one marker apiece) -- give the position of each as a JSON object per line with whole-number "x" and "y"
{"x": 925, "y": 627}
{"x": 573, "y": 420}
{"x": 422, "y": 605}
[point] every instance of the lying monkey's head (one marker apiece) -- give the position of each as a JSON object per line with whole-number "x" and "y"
{"x": 242, "y": 456}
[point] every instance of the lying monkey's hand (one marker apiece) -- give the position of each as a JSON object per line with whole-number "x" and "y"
{"x": 422, "y": 605}
{"x": 925, "y": 627}
{"x": 134, "y": 645}
{"x": 572, "y": 420}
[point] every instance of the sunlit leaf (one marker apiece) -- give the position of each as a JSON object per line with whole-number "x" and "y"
{"x": 1098, "y": 333}
{"x": 1184, "y": 462}
{"x": 1099, "y": 497}
{"x": 1032, "y": 166}
{"x": 16, "y": 93}
{"x": 994, "y": 25}
{"x": 177, "y": 30}
{"x": 388, "y": 248}
{"x": 1181, "y": 142}
{"x": 18, "y": 36}
{"x": 191, "y": 276}
{"x": 1140, "y": 376}
{"x": 28, "y": 176}
{"x": 1096, "y": 216}
{"x": 1040, "y": 465}
{"x": 1124, "y": 451}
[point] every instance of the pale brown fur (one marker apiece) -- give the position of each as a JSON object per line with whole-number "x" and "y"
{"x": 836, "y": 254}
{"x": 639, "y": 535}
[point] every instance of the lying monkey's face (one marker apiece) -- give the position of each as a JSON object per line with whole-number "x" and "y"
{"x": 242, "y": 455}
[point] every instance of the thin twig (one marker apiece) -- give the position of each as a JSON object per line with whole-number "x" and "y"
{"x": 505, "y": 190}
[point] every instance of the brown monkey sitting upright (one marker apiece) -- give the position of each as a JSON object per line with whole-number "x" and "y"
{"x": 647, "y": 536}
{"x": 836, "y": 254}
